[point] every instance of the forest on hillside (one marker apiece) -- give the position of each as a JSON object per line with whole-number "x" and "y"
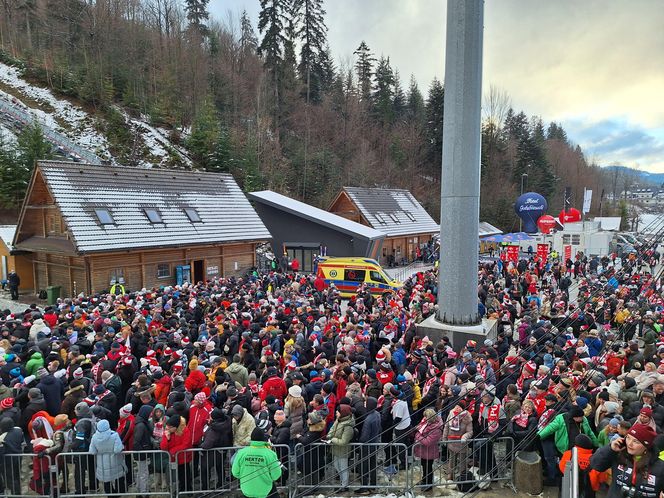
{"x": 271, "y": 104}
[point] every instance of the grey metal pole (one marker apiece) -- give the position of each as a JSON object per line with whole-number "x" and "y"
{"x": 460, "y": 178}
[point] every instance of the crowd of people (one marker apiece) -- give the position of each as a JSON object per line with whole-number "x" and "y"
{"x": 275, "y": 366}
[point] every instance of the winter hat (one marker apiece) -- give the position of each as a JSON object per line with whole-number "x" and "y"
{"x": 614, "y": 422}
{"x": 371, "y": 373}
{"x": 217, "y": 414}
{"x": 258, "y": 434}
{"x": 6, "y": 403}
{"x": 583, "y": 441}
{"x": 581, "y": 402}
{"x": 647, "y": 411}
{"x": 34, "y": 393}
{"x": 643, "y": 433}
{"x": 315, "y": 418}
{"x": 42, "y": 372}
{"x": 81, "y": 409}
{"x": 103, "y": 425}
{"x": 263, "y": 422}
{"x": 380, "y": 356}
{"x": 629, "y": 382}
{"x": 328, "y": 387}
{"x": 99, "y": 389}
{"x": 125, "y": 411}
{"x": 237, "y": 411}
{"x": 173, "y": 421}
{"x": 231, "y": 392}
{"x": 295, "y": 391}
{"x": 611, "y": 407}
{"x": 78, "y": 373}
{"x": 576, "y": 411}
{"x": 200, "y": 397}
{"x": 344, "y": 410}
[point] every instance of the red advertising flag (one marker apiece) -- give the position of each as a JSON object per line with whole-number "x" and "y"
{"x": 568, "y": 252}
{"x": 543, "y": 252}
{"x": 513, "y": 253}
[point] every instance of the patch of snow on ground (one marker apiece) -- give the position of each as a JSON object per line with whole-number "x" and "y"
{"x": 80, "y": 126}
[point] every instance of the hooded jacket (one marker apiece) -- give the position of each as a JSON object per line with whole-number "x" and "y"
{"x": 72, "y": 398}
{"x": 12, "y": 442}
{"x": 53, "y": 390}
{"x": 340, "y": 435}
{"x": 35, "y": 405}
{"x": 427, "y": 438}
{"x": 107, "y": 445}
{"x": 35, "y": 362}
{"x": 219, "y": 433}
{"x": 371, "y": 426}
{"x": 238, "y": 373}
{"x": 257, "y": 467}
{"x": 143, "y": 430}
{"x": 178, "y": 441}
{"x": 242, "y": 430}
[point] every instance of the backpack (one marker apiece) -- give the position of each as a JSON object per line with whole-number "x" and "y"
{"x": 83, "y": 431}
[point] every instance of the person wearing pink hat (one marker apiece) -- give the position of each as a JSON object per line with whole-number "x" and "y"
{"x": 637, "y": 471}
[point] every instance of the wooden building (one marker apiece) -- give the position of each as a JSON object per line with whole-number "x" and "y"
{"x": 10, "y": 259}
{"x": 394, "y": 212}
{"x": 88, "y": 226}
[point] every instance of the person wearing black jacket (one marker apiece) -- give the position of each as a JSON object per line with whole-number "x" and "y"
{"x": 218, "y": 435}
{"x": 142, "y": 442}
{"x": 281, "y": 436}
{"x": 369, "y": 435}
{"x": 523, "y": 424}
{"x": 12, "y": 444}
{"x": 312, "y": 460}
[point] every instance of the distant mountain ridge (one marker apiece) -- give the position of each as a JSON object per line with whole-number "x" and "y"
{"x": 644, "y": 176}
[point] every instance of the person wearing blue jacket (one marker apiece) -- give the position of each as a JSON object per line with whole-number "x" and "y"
{"x": 594, "y": 343}
{"x": 371, "y": 430}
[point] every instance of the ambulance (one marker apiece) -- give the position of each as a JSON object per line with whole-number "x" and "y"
{"x": 347, "y": 274}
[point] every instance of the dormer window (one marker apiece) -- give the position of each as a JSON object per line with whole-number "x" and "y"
{"x": 104, "y": 216}
{"x": 153, "y": 215}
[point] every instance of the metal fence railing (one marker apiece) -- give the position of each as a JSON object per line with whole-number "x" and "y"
{"x": 306, "y": 469}
{"x": 142, "y": 473}
{"x": 570, "y": 485}
{"x": 474, "y": 461}
{"x": 321, "y": 468}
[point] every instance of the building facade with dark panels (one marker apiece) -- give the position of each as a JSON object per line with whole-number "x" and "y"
{"x": 87, "y": 226}
{"x": 394, "y": 212}
{"x": 304, "y": 231}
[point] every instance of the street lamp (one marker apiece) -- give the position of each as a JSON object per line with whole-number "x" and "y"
{"x": 524, "y": 178}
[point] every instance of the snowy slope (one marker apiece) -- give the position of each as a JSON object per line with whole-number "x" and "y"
{"x": 82, "y": 128}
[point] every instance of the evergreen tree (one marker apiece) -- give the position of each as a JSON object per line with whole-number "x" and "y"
{"x": 221, "y": 159}
{"x": 364, "y": 69}
{"x": 414, "y": 102}
{"x": 384, "y": 91}
{"x": 204, "y": 135}
{"x": 556, "y": 132}
{"x": 327, "y": 70}
{"x": 543, "y": 180}
{"x": 14, "y": 176}
{"x": 272, "y": 22}
{"x": 248, "y": 40}
{"x": 197, "y": 15}
{"x": 312, "y": 35}
{"x": 399, "y": 99}
{"x": 434, "y": 122}
{"x": 32, "y": 146}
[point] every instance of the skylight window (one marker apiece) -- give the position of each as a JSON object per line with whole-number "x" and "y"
{"x": 153, "y": 215}
{"x": 394, "y": 218}
{"x": 380, "y": 218}
{"x": 104, "y": 216}
{"x": 192, "y": 214}
{"x": 410, "y": 215}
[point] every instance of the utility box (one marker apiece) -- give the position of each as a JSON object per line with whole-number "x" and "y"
{"x": 52, "y": 294}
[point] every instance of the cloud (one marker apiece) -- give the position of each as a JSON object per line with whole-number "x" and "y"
{"x": 619, "y": 142}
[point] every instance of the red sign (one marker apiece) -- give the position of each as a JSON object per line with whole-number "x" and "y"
{"x": 542, "y": 252}
{"x": 513, "y": 253}
{"x": 568, "y": 252}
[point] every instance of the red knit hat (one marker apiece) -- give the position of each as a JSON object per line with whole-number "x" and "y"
{"x": 643, "y": 433}
{"x": 530, "y": 366}
{"x": 646, "y": 411}
{"x": 7, "y": 403}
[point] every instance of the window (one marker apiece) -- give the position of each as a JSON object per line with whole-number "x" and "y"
{"x": 53, "y": 224}
{"x": 394, "y": 218}
{"x": 409, "y": 215}
{"x": 380, "y": 218}
{"x": 192, "y": 214}
{"x": 163, "y": 270}
{"x": 153, "y": 215}
{"x": 104, "y": 216}
{"x": 566, "y": 238}
{"x": 576, "y": 240}
{"x": 377, "y": 277}
{"x": 354, "y": 275}
{"x": 117, "y": 276}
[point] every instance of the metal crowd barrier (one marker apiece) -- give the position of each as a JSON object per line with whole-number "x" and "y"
{"x": 478, "y": 462}
{"x": 209, "y": 471}
{"x": 25, "y": 475}
{"x": 306, "y": 469}
{"x": 570, "y": 485}
{"x": 367, "y": 463}
{"x": 142, "y": 473}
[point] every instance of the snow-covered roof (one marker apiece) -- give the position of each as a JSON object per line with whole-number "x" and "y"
{"x": 7, "y": 235}
{"x": 315, "y": 214}
{"x": 487, "y": 229}
{"x": 392, "y": 211}
{"x": 608, "y": 223}
{"x": 127, "y": 194}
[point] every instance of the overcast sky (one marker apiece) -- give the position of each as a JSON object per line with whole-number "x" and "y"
{"x": 597, "y": 66}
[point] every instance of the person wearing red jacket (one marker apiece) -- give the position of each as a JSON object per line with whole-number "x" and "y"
{"x": 199, "y": 416}
{"x": 273, "y": 386}
{"x": 177, "y": 437}
{"x": 126, "y": 432}
{"x": 162, "y": 387}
